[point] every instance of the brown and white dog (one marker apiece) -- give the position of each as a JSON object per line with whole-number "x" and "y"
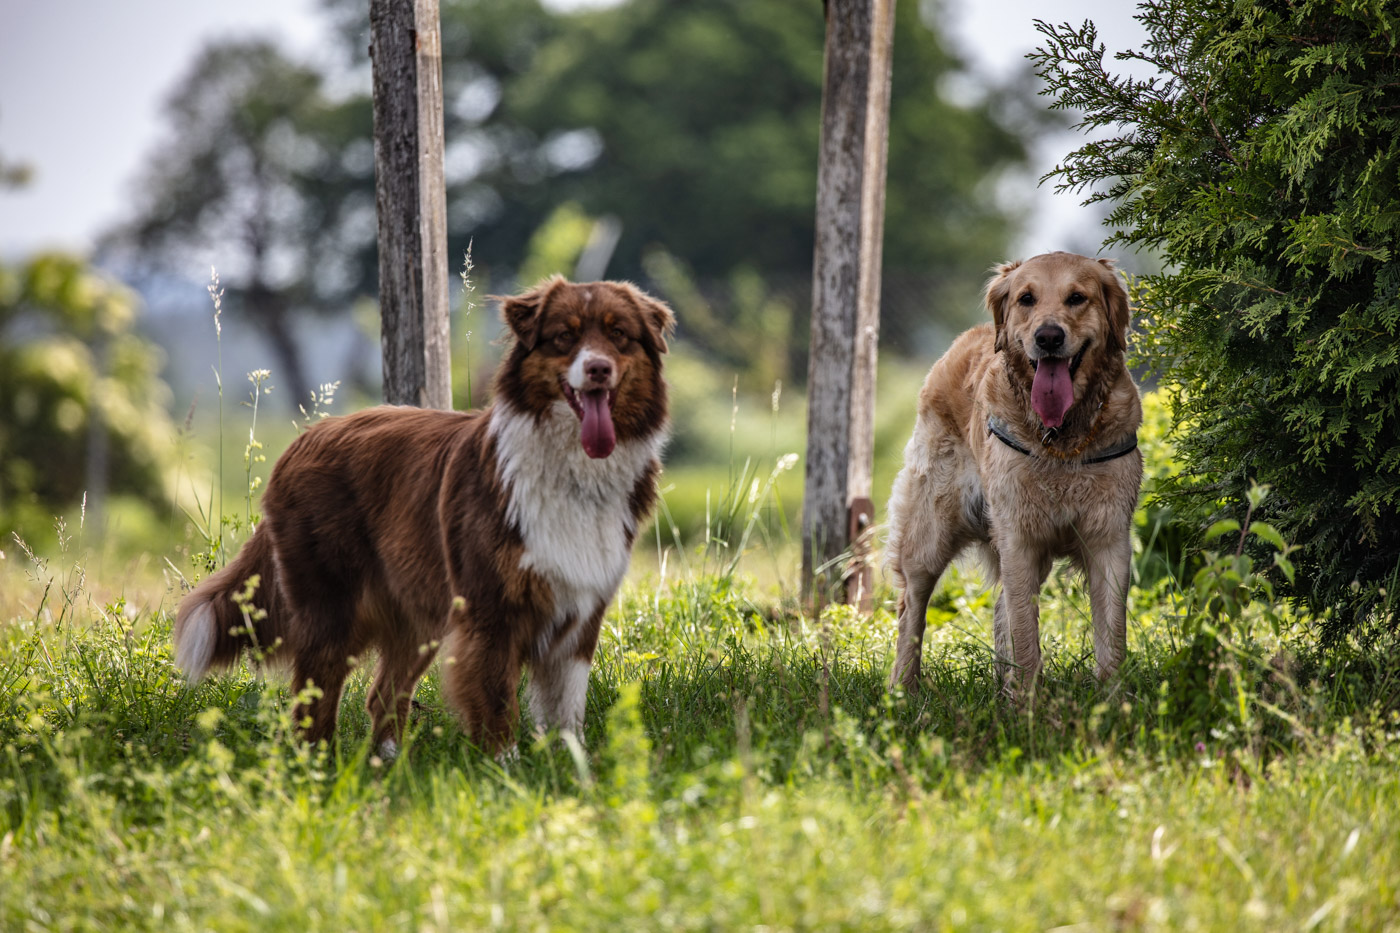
{"x": 501, "y": 533}
{"x": 1026, "y": 446}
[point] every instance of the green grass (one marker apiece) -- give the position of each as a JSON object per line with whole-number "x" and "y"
{"x": 745, "y": 768}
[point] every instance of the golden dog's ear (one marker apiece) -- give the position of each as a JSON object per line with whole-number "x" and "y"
{"x": 523, "y": 313}
{"x": 998, "y": 287}
{"x": 1115, "y": 299}
{"x": 660, "y": 322}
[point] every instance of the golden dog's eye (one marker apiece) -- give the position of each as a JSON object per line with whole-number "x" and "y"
{"x": 619, "y": 334}
{"x": 1075, "y": 298}
{"x": 1026, "y": 300}
{"x": 564, "y": 342}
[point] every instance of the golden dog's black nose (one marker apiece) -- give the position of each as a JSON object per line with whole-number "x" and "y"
{"x": 1050, "y": 338}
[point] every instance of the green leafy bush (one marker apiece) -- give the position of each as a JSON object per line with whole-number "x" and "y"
{"x": 1161, "y": 545}
{"x": 1223, "y": 610}
{"x": 1262, "y": 162}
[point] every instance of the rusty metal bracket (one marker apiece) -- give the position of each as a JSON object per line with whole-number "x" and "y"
{"x": 860, "y": 581}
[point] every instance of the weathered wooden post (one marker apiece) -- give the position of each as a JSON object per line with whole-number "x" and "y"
{"x": 411, "y": 197}
{"x": 836, "y": 508}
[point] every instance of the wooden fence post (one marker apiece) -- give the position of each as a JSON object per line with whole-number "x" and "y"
{"x": 411, "y": 197}
{"x": 836, "y": 508}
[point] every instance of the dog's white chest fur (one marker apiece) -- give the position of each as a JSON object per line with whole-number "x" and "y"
{"x": 573, "y": 513}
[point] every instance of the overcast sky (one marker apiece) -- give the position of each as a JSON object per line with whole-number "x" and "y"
{"x": 82, "y": 83}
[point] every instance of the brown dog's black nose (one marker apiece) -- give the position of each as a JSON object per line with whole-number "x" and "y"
{"x": 599, "y": 371}
{"x": 1050, "y": 338}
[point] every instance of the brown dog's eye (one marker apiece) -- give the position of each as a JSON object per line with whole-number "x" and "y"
{"x": 564, "y": 342}
{"x": 1075, "y": 298}
{"x": 1026, "y": 300}
{"x": 619, "y": 334}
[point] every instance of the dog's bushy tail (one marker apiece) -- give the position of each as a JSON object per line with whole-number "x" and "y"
{"x": 219, "y": 619}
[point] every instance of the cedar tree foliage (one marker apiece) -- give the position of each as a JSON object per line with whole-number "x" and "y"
{"x": 1263, "y": 164}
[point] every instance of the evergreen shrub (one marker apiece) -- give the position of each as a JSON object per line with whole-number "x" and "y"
{"x": 1262, "y": 163}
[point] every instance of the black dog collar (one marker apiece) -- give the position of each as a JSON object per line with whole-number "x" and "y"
{"x": 997, "y": 427}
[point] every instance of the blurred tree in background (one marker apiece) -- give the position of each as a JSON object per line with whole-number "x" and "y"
{"x": 690, "y": 129}
{"x": 82, "y": 408}
{"x": 269, "y": 179}
{"x": 697, "y": 125}
{"x": 671, "y": 143}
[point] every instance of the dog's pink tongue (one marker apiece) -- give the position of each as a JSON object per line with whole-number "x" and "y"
{"x": 599, "y": 438}
{"x": 1052, "y": 392}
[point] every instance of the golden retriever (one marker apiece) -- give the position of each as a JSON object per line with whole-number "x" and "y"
{"x": 1025, "y": 445}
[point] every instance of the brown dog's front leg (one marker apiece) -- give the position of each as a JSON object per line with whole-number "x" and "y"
{"x": 480, "y": 673}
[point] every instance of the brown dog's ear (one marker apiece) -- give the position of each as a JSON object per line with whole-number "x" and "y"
{"x": 660, "y": 322}
{"x": 998, "y": 287}
{"x": 523, "y": 313}
{"x": 1115, "y": 299}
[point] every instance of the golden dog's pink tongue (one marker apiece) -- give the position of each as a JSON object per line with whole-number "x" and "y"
{"x": 1052, "y": 392}
{"x": 599, "y": 438}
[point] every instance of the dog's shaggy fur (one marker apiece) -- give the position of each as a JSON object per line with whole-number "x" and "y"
{"x": 502, "y": 534}
{"x": 1049, "y": 374}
